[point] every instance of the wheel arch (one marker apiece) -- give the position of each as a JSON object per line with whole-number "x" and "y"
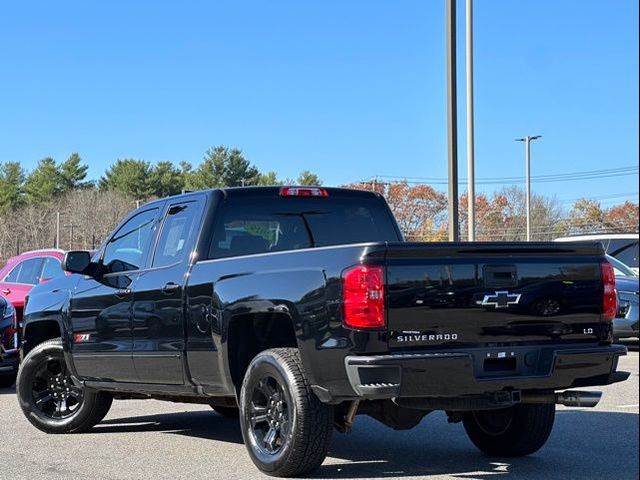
{"x": 249, "y": 334}
{"x": 37, "y": 331}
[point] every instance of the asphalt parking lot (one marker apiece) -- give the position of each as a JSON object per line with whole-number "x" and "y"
{"x": 151, "y": 439}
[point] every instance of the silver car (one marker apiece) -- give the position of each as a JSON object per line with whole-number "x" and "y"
{"x": 625, "y": 325}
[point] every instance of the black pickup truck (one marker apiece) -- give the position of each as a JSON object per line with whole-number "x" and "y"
{"x": 298, "y": 308}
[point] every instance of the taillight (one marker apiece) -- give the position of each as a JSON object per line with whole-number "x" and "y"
{"x": 303, "y": 192}
{"x": 363, "y": 297}
{"x": 609, "y": 297}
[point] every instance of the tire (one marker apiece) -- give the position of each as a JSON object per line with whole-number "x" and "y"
{"x": 43, "y": 402}
{"x": 276, "y": 390}
{"x": 512, "y": 432}
{"x": 229, "y": 412}
{"x": 7, "y": 381}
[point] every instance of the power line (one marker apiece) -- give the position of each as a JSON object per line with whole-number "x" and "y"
{"x": 603, "y": 197}
{"x": 559, "y": 177}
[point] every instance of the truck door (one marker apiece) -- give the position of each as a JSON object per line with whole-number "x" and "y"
{"x": 158, "y": 308}
{"x": 101, "y": 307}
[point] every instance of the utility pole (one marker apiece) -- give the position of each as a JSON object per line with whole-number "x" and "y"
{"x": 57, "y": 229}
{"x": 527, "y": 158}
{"x": 452, "y": 121}
{"x": 471, "y": 193}
{"x": 71, "y": 226}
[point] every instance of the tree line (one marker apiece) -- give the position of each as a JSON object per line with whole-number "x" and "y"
{"x": 31, "y": 201}
{"x": 138, "y": 179}
{"x": 421, "y": 212}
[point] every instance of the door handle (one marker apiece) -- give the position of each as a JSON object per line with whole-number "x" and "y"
{"x": 170, "y": 288}
{"x": 123, "y": 292}
{"x": 6, "y": 291}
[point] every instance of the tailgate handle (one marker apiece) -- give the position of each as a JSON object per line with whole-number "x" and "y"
{"x": 170, "y": 288}
{"x": 500, "y": 276}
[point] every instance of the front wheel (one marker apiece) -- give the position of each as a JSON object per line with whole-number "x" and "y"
{"x": 286, "y": 429}
{"x": 50, "y": 399}
{"x": 510, "y": 432}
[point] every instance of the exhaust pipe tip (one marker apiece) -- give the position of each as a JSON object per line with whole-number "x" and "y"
{"x": 578, "y": 398}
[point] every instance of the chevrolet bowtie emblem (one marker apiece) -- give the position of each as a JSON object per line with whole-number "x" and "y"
{"x": 501, "y": 299}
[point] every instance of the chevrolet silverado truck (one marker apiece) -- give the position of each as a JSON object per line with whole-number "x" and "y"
{"x": 298, "y": 308}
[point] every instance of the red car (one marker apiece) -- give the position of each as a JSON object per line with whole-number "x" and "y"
{"x": 23, "y": 272}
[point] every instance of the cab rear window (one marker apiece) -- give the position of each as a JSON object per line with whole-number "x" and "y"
{"x": 260, "y": 225}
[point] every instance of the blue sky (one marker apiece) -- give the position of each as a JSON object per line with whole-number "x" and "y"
{"x": 348, "y": 89}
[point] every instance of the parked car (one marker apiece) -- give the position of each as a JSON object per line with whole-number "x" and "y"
{"x": 9, "y": 343}
{"x": 623, "y": 246}
{"x": 298, "y": 308}
{"x": 24, "y": 271}
{"x": 625, "y": 325}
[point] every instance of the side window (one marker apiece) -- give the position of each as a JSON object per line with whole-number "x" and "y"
{"x": 13, "y": 274}
{"x": 30, "y": 271}
{"x": 178, "y": 228}
{"x": 52, "y": 268}
{"x": 125, "y": 251}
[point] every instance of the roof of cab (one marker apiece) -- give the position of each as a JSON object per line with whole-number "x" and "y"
{"x": 254, "y": 191}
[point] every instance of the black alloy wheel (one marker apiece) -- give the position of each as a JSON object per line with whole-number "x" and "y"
{"x": 49, "y": 396}
{"x": 511, "y": 432}
{"x": 493, "y": 422}
{"x": 54, "y": 392}
{"x": 285, "y": 427}
{"x": 269, "y": 415}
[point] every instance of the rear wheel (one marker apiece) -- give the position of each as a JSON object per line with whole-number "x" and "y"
{"x": 286, "y": 429}
{"x": 511, "y": 432}
{"x": 49, "y": 397}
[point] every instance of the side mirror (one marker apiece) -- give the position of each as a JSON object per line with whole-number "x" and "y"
{"x": 77, "y": 261}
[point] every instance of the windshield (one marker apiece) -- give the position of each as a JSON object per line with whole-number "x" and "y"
{"x": 621, "y": 270}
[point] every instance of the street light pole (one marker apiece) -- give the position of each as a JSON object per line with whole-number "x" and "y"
{"x": 471, "y": 194}
{"x": 452, "y": 121}
{"x": 527, "y": 153}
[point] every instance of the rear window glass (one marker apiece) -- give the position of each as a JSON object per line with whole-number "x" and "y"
{"x": 261, "y": 224}
{"x": 30, "y": 271}
{"x": 628, "y": 254}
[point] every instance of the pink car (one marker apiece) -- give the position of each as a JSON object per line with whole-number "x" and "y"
{"x": 23, "y": 272}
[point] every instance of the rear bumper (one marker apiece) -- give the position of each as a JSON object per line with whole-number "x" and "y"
{"x": 482, "y": 371}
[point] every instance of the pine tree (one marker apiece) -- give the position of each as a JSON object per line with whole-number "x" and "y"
{"x": 73, "y": 173}
{"x": 130, "y": 177}
{"x": 43, "y": 182}
{"x": 166, "y": 179}
{"x": 12, "y": 179}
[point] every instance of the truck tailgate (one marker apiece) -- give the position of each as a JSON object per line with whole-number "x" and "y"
{"x": 454, "y": 295}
